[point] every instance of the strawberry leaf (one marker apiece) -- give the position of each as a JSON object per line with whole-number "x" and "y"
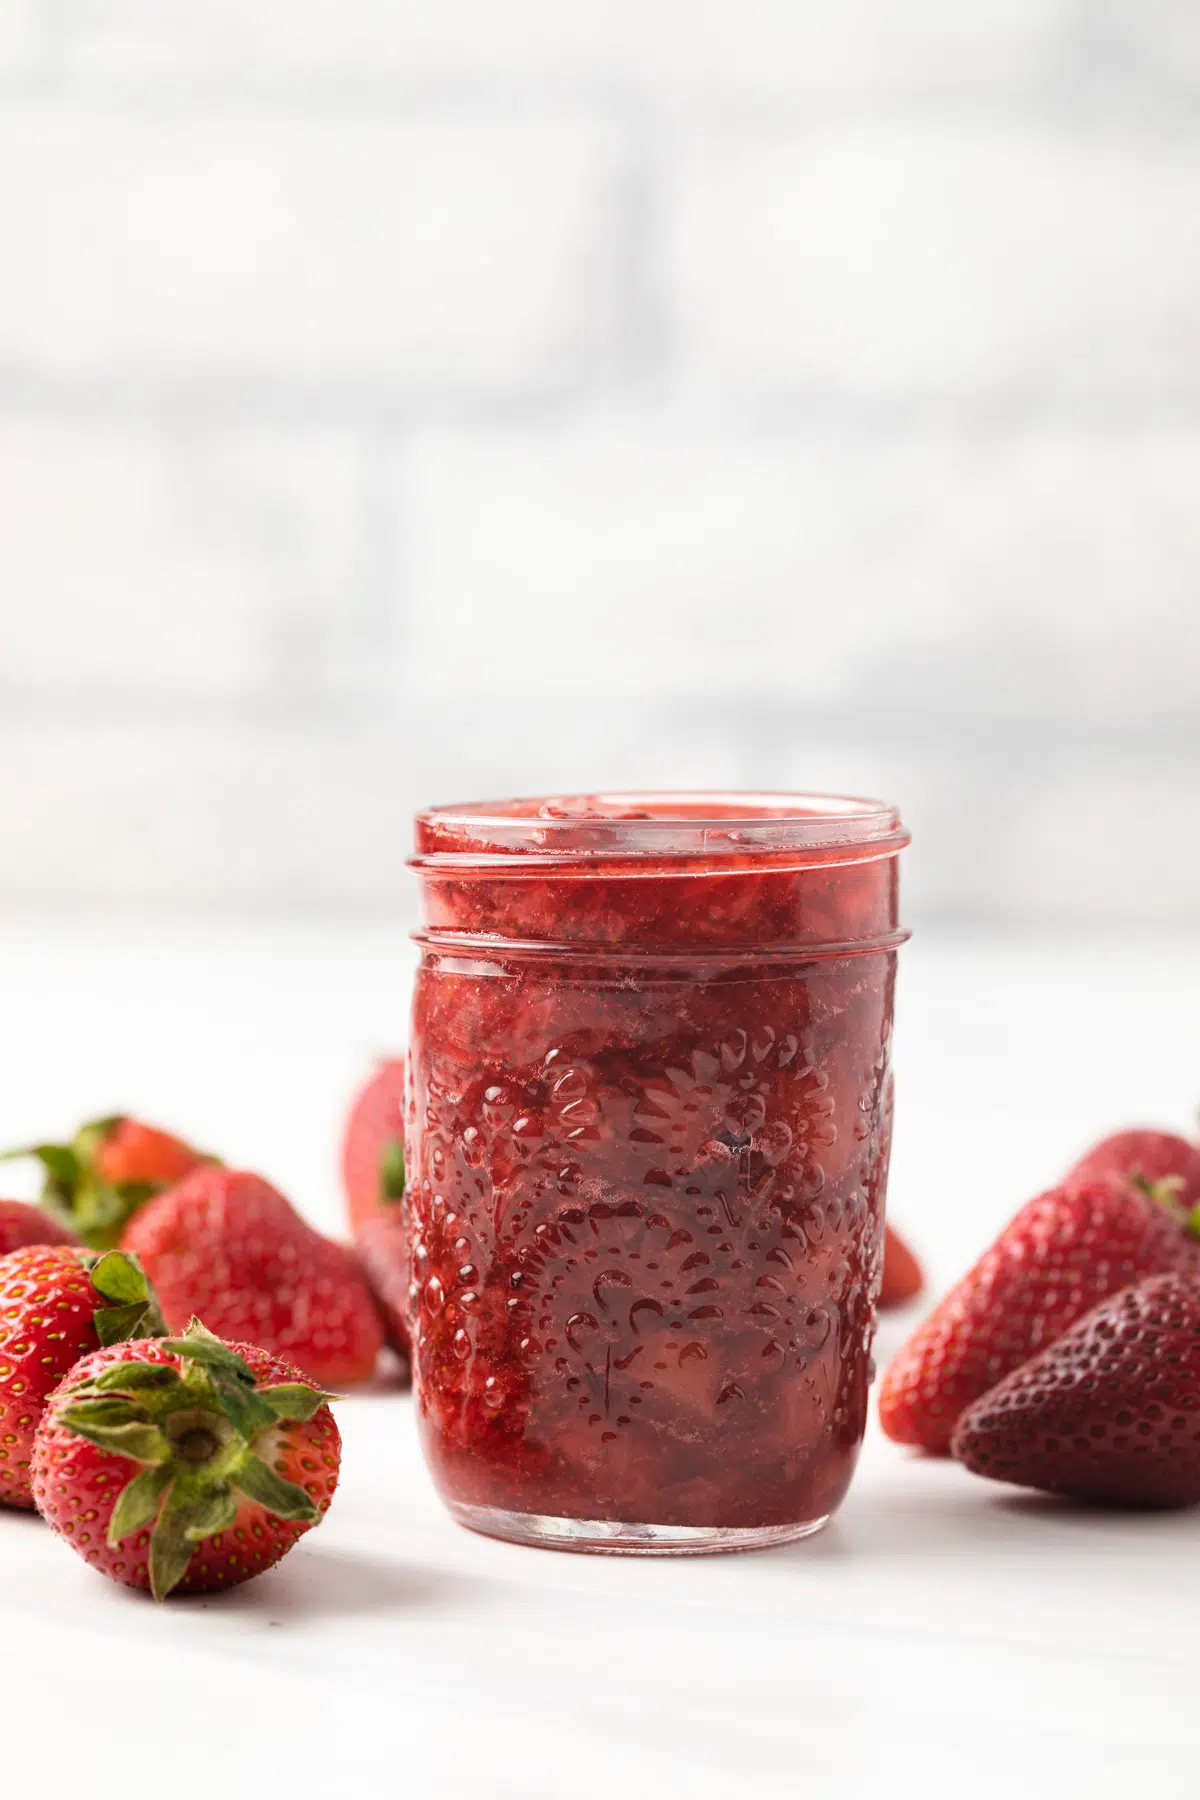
{"x": 133, "y": 1310}
{"x": 293, "y": 1400}
{"x": 189, "y": 1515}
{"x": 170, "y": 1553}
{"x": 138, "y": 1502}
{"x": 59, "y": 1161}
{"x": 253, "y": 1478}
{"x": 141, "y": 1443}
{"x": 200, "y": 1346}
{"x": 207, "y": 1513}
{"x": 248, "y": 1411}
{"x": 102, "y": 1414}
{"x": 119, "y": 1279}
{"x": 137, "y": 1375}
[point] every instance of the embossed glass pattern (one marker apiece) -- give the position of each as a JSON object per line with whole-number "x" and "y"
{"x": 650, "y": 1117}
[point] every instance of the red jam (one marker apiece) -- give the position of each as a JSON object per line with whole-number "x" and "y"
{"x": 651, "y": 1115}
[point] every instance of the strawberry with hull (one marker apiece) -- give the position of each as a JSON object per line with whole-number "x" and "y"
{"x": 93, "y": 1185}
{"x": 1147, "y": 1154}
{"x": 184, "y": 1465}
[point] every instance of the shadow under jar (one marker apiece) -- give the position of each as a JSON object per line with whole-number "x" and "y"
{"x": 650, "y": 1114}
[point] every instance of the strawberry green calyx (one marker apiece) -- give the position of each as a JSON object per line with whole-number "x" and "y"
{"x": 391, "y": 1172}
{"x": 1165, "y": 1192}
{"x": 74, "y": 1195}
{"x": 85, "y": 1193}
{"x": 203, "y": 1436}
{"x": 132, "y": 1310}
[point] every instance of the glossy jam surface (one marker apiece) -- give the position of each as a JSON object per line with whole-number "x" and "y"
{"x": 650, "y": 1119}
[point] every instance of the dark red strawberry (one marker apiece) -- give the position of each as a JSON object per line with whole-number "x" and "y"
{"x": 185, "y": 1464}
{"x": 382, "y": 1245}
{"x": 373, "y": 1147}
{"x": 1110, "y": 1412}
{"x": 227, "y": 1247}
{"x": 22, "y": 1224}
{"x": 1064, "y": 1252}
{"x": 1149, "y": 1154}
{"x": 94, "y": 1184}
{"x": 902, "y": 1277}
{"x": 56, "y": 1305}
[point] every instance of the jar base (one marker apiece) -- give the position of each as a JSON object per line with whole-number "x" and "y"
{"x": 619, "y": 1537}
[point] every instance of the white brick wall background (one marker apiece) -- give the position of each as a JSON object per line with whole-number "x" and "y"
{"x": 412, "y": 401}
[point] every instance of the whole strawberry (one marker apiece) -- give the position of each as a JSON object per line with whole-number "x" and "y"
{"x": 226, "y": 1246}
{"x": 1109, "y": 1412}
{"x": 1063, "y": 1252}
{"x": 111, "y": 1167}
{"x": 22, "y": 1224}
{"x": 902, "y": 1277}
{"x": 373, "y": 1147}
{"x": 382, "y": 1245}
{"x": 1150, "y": 1155}
{"x": 56, "y": 1305}
{"x": 184, "y": 1464}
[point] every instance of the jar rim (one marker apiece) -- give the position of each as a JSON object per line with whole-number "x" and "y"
{"x": 655, "y": 823}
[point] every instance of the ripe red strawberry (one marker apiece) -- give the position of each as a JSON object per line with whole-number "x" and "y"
{"x": 184, "y": 1464}
{"x": 133, "y": 1152}
{"x": 56, "y": 1305}
{"x": 373, "y": 1148}
{"x": 226, "y": 1246}
{"x": 1109, "y": 1412}
{"x": 94, "y": 1184}
{"x": 22, "y": 1224}
{"x": 902, "y": 1277}
{"x": 1149, "y": 1154}
{"x": 382, "y": 1245}
{"x": 1064, "y": 1252}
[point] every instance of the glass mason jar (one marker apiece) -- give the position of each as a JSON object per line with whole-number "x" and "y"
{"x": 650, "y": 1114}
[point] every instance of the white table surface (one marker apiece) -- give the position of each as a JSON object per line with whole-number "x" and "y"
{"x": 943, "y": 1638}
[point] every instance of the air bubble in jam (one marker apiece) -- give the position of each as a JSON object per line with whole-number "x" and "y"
{"x": 662, "y": 1135}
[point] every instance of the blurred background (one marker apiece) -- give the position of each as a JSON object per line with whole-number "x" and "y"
{"x": 408, "y": 402}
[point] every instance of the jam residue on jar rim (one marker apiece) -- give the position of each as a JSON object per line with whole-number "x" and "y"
{"x": 686, "y": 827}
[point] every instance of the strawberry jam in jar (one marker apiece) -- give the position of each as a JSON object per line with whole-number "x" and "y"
{"x": 650, "y": 1114}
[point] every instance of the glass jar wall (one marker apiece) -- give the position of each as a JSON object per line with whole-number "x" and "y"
{"x": 650, "y": 1118}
